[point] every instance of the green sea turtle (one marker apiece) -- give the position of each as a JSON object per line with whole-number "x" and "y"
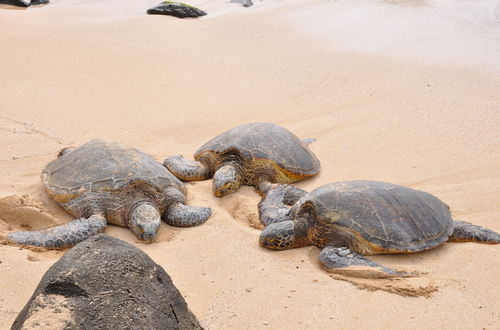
{"x": 103, "y": 182}
{"x": 355, "y": 218}
{"x": 255, "y": 154}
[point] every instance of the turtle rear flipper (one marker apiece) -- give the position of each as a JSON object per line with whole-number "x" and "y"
{"x": 62, "y": 236}
{"x": 186, "y": 170}
{"x": 181, "y": 215}
{"x": 346, "y": 262}
{"x": 467, "y": 232}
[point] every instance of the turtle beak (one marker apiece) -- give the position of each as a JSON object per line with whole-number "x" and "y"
{"x": 149, "y": 234}
{"x": 223, "y": 190}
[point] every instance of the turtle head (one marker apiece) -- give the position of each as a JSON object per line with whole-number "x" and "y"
{"x": 144, "y": 221}
{"x": 284, "y": 235}
{"x": 227, "y": 180}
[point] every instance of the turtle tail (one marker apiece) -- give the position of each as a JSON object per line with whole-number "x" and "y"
{"x": 467, "y": 232}
{"x": 62, "y": 236}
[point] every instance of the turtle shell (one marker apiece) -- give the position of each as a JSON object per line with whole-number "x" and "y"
{"x": 101, "y": 168}
{"x": 263, "y": 143}
{"x": 384, "y": 217}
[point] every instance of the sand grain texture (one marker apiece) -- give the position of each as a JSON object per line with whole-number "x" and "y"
{"x": 399, "y": 91}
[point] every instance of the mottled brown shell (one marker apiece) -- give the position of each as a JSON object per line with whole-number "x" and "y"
{"x": 101, "y": 166}
{"x": 378, "y": 216}
{"x": 263, "y": 142}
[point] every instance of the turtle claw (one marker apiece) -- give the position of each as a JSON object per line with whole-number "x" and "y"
{"x": 180, "y": 215}
{"x": 346, "y": 262}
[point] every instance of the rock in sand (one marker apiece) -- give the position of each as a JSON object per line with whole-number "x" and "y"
{"x": 177, "y": 9}
{"x": 106, "y": 283}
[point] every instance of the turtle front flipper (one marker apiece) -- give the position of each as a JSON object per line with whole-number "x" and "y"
{"x": 180, "y": 215}
{"x": 346, "y": 262}
{"x": 271, "y": 207}
{"x": 263, "y": 187}
{"x": 293, "y": 194}
{"x": 62, "y": 236}
{"x": 467, "y": 232}
{"x": 186, "y": 170}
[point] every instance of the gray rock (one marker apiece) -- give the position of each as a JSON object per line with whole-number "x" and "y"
{"x": 177, "y": 9}
{"x": 19, "y": 3}
{"x": 245, "y": 3}
{"x": 24, "y": 3}
{"x": 106, "y": 283}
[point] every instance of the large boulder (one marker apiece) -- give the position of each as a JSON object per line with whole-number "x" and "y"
{"x": 106, "y": 283}
{"x": 177, "y": 9}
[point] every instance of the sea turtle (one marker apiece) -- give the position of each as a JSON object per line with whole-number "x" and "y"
{"x": 255, "y": 154}
{"x": 355, "y": 218}
{"x": 103, "y": 182}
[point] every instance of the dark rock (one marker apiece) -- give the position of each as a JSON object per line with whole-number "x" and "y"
{"x": 19, "y": 3}
{"x": 24, "y": 3}
{"x": 39, "y": 2}
{"x": 245, "y": 3}
{"x": 177, "y": 9}
{"x": 106, "y": 283}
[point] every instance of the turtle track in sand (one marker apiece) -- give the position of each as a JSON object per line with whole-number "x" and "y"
{"x": 24, "y": 213}
{"x": 22, "y": 136}
{"x": 418, "y": 286}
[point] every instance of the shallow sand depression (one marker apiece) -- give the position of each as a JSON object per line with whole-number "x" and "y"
{"x": 399, "y": 91}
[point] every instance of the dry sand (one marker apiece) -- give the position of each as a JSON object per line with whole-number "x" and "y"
{"x": 400, "y": 91}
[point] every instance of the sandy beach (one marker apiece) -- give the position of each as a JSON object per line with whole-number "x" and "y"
{"x": 401, "y": 91}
